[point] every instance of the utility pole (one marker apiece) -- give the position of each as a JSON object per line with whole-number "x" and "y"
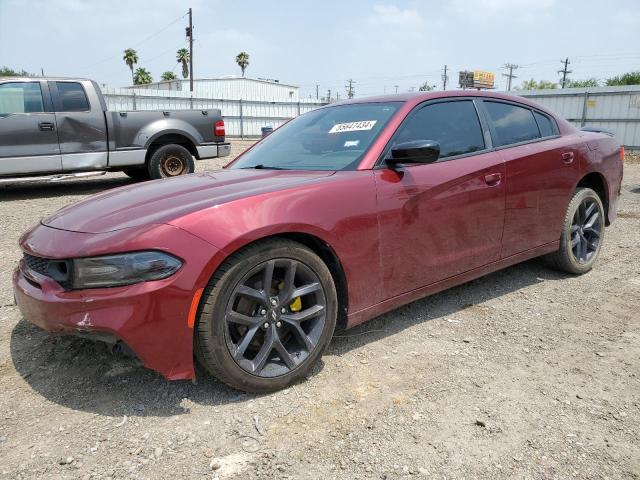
{"x": 337, "y": 96}
{"x": 350, "y": 90}
{"x": 329, "y": 96}
{"x": 565, "y": 71}
{"x": 317, "y": 91}
{"x": 510, "y": 75}
{"x": 396, "y": 88}
{"x": 190, "y": 36}
{"x": 445, "y": 78}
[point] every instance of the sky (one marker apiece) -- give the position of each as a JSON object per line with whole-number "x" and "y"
{"x": 378, "y": 44}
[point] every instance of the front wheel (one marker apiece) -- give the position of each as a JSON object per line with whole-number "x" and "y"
{"x": 266, "y": 316}
{"x": 170, "y": 161}
{"x": 582, "y": 233}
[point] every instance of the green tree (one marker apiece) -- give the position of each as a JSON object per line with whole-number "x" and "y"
{"x": 168, "y": 76}
{"x": 242, "y": 59}
{"x": 534, "y": 85}
{"x": 141, "y": 76}
{"x": 587, "y": 82}
{"x": 425, "y": 87}
{"x": 182, "y": 56}
{"x": 130, "y": 58}
{"x": 10, "y": 72}
{"x": 629, "y": 78}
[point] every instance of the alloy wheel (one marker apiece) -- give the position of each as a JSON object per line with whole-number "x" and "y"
{"x": 586, "y": 230}
{"x": 275, "y": 317}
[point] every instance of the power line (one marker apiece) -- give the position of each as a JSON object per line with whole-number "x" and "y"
{"x": 350, "y": 89}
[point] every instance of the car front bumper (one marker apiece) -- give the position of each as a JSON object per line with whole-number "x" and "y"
{"x": 151, "y": 318}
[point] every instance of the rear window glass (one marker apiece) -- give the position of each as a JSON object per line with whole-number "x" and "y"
{"x": 545, "y": 124}
{"x": 72, "y": 97}
{"x": 512, "y": 124}
{"x": 20, "y": 97}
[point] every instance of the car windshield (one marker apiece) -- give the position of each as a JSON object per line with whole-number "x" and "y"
{"x": 330, "y": 138}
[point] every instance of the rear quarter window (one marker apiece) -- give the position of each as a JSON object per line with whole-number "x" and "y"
{"x": 511, "y": 123}
{"x": 546, "y": 125}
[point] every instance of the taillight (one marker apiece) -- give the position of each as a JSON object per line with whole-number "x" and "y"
{"x": 218, "y": 128}
{"x": 622, "y": 153}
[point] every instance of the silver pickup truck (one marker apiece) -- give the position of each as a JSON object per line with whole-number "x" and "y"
{"x": 55, "y": 128}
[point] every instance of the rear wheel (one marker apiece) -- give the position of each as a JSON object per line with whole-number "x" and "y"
{"x": 170, "y": 161}
{"x": 266, "y": 316}
{"x": 582, "y": 234}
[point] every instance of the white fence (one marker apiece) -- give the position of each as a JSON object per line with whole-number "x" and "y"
{"x": 242, "y": 118}
{"x": 614, "y": 108}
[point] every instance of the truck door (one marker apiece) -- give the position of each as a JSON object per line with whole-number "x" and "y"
{"x": 82, "y": 128}
{"x": 28, "y": 133}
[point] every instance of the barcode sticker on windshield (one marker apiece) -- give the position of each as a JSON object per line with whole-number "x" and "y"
{"x": 353, "y": 126}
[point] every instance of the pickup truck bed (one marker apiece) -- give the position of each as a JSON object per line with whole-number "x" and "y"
{"x": 62, "y": 126}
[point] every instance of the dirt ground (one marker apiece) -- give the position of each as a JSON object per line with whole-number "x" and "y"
{"x": 525, "y": 373}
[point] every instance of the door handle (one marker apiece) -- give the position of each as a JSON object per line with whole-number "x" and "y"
{"x": 567, "y": 157}
{"x": 493, "y": 179}
{"x": 45, "y": 126}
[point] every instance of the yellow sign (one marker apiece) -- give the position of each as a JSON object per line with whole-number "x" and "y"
{"x": 483, "y": 79}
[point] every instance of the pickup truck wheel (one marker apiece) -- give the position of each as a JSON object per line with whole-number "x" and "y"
{"x": 170, "y": 161}
{"x": 266, "y": 316}
{"x": 582, "y": 233}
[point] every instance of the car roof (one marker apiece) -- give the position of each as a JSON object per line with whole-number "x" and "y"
{"x": 419, "y": 97}
{"x": 21, "y": 79}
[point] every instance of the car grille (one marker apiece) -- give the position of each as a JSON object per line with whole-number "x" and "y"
{"x": 58, "y": 270}
{"x": 37, "y": 264}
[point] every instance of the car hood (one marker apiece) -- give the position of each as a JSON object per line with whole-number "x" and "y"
{"x": 161, "y": 201}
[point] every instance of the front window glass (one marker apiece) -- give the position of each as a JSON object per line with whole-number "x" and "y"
{"x": 20, "y": 97}
{"x": 454, "y": 125}
{"x": 331, "y": 138}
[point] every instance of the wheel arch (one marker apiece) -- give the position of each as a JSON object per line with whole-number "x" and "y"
{"x": 596, "y": 182}
{"x": 172, "y": 138}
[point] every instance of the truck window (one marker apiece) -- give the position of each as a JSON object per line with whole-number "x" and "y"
{"x": 72, "y": 97}
{"x": 20, "y": 97}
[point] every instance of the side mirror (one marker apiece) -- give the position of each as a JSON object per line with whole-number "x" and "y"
{"x": 416, "y": 151}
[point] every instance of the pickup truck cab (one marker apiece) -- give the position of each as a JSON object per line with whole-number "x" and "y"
{"x": 59, "y": 127}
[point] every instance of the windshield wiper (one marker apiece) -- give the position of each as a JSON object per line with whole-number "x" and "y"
{"x": 260, "y": 166}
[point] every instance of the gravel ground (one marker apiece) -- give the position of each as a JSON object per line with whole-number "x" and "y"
{"x": 525, "y": 373}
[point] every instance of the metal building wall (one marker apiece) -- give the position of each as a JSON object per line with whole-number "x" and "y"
{"x": 242, "y": 118}
{"x": 614, "y": 108}
{"x": 233, "y": 88}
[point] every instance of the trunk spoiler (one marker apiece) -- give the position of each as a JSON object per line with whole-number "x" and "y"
{"x": 606, "y": 131}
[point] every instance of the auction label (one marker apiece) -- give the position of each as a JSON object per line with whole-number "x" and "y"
{"x": 353, "y": 126}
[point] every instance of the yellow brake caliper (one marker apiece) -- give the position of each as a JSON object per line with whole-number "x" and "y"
{"x": 294, "y": 306}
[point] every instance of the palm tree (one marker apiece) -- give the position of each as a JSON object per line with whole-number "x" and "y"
{"x": 242, "y": 59}
{"x": 182, "y": 56}
{"x": 142, "y": 76}
{"x": 130, "y": 58}
{"x": 168, "y": 76}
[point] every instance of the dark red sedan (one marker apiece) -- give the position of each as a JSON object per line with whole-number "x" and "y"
{"x": 342, "y": 214}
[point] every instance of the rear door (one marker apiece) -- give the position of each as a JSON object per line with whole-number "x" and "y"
{"x": 542, "y": 169}
{"x": 441, "y": 219}
{"x": 28, "y": 134}
{"x": 82, "y": 128}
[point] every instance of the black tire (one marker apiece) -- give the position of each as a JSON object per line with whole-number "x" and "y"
{"x": 138, "y": 173}
{"x": 213, "y": 342}
{"x": 570, "y": 258}
{"x": 170, "y": 161}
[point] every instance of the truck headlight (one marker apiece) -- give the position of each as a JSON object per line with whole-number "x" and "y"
{"x": 123, "y": 269}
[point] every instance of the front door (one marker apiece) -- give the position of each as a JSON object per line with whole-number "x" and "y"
{"x": 28, "y": 133}
{"x": 441, "y": 219}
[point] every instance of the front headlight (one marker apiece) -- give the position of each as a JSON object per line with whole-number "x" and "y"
{"x": 123, "y": 269}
